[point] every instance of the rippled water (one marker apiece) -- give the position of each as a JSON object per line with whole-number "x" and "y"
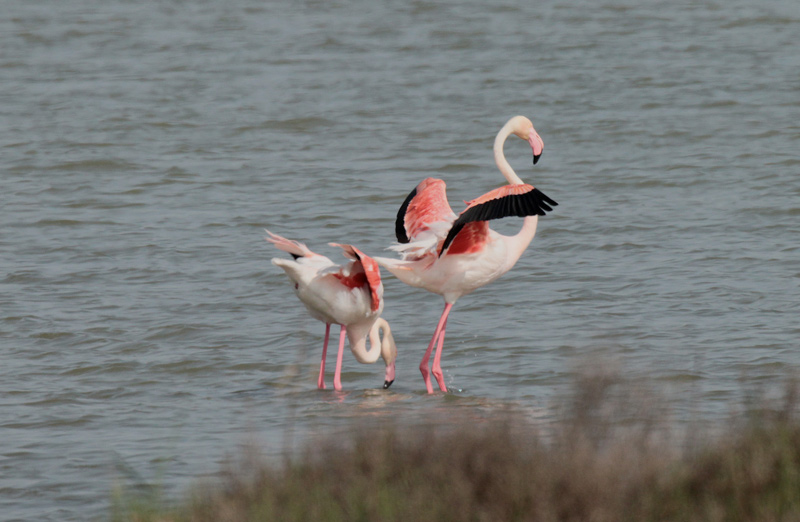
{"x": 144, "y": 146}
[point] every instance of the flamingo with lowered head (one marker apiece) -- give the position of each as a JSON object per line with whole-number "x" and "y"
{"x": 349, "y": 295}
{"x": 454, "y": 255}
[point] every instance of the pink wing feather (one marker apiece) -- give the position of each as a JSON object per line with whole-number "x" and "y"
{"x": 426, "y": 204}
{"x": 369, "y": 272}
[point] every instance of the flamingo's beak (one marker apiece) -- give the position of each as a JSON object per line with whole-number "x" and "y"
{"x": 537, "y": 145}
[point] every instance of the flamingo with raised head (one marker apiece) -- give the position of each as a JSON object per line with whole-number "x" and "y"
{"x": 350, "y": 295}
{"x": 453, "y": 255}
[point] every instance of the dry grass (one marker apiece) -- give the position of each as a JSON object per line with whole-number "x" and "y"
{"x": 607, "y": 459}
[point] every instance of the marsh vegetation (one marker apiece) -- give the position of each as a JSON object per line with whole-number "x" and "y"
{"x": 608, "y": 456}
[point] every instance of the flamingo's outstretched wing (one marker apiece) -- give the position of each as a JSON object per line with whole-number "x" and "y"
{"x": 509, "y": 200}
{"x": 426, "y": 205}
{"x": 363, "y": 266}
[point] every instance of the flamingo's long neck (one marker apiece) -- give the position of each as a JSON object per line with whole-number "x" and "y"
{"x": 388, "y": 346}
{"x": 517, "y": 243}
{"x": 377, "y": 348}
{"x": 500, "y": 158}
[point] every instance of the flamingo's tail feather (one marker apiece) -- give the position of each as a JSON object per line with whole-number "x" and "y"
{"x": 295, "y": 248}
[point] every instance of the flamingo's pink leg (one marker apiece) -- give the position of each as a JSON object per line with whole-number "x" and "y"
{"x": 437, "y": 358}
{"x": 337, "y": 377}
{"x": 423, "y": 366}
{"x": 321, "y": 380}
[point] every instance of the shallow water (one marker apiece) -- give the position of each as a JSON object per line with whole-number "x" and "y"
{"x": 145, "y": 147}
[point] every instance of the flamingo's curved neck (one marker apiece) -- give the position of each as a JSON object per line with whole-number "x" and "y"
{"x": 517, "y": 243}
{"x": 520, "y": 241}
{"x": 500, "y": 158}
{"x": 377, "y": 348}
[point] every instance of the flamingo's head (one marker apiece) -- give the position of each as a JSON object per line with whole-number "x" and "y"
{"x": 523, "y": 128}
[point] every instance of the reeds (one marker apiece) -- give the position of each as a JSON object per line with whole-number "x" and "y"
{"x": 607, "y": 458}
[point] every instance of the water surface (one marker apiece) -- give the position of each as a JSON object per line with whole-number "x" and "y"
{"x": 144, "y": 147}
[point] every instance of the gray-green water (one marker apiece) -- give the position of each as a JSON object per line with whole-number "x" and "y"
{"x": 144, "y": 146}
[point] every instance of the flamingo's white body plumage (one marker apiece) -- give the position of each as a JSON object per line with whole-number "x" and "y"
{"x": 453, "y": 255}
{"x": 350, "y": 295}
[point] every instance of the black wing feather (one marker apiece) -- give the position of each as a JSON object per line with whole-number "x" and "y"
{"x": 400, "y": 222}
{"x": 531, "y": 203}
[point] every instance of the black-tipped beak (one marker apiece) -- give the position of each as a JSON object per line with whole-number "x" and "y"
{"x": 536, "y": 159}
{"x": 386, "y": 384}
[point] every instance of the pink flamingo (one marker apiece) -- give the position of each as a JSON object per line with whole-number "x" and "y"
{"x": 349, "y": 295}
{"x": 453, "y": 255}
